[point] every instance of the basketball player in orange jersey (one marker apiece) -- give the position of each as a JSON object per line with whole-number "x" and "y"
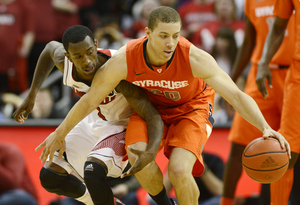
{"x": 259, "y": 20}
{"x": 284, "y": 9}
{"x": 179, "y": 79}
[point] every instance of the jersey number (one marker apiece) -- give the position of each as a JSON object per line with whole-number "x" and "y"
{"x": 172, "y": 95}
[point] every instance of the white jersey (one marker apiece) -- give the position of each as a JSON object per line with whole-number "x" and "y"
{"x": 114, "y": 106}
{"x": 101, "y": 134}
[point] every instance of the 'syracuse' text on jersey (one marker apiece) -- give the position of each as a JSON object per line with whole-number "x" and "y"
{"x": 113, "y": 107}
{"x": 170, "y": 85}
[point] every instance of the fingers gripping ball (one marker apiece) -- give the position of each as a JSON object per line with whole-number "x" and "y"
{"x": 264, "y": 160}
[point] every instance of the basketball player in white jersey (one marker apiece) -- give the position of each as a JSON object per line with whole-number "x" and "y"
{"x": 95, "y": 148}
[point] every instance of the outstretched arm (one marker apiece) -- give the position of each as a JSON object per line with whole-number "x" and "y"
{"x": 215, "y": 77}
{"x": 140, "y": 102}
{"x": 53, "y": 54}
{"x": 272, "y": 43}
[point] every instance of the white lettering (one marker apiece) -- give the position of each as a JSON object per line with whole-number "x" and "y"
{"x": 162, "y": 84}
{"x": 264, "y": 11}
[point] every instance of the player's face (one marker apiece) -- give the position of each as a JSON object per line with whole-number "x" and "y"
{"x": 163, "y": 40}
{"x": 84, "y": 56}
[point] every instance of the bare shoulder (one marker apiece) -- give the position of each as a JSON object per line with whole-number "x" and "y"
{"x": 57, "y": 53}
{"x": 202, "y": 63}
{"x": 117, "y": 65}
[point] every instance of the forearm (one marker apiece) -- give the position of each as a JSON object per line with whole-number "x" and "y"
{"x": 245, "y": 52}
{"x": 242, "y": 61}
{"x": 155, "y": 129}
{"x": 43, "y": 68}
{"x": 273, "y": 41}
{"x": 248, "y": 109}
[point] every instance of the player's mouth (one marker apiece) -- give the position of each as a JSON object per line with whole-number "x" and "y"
{"x": 89, "y": 70}
{"x": 168, "y": 53}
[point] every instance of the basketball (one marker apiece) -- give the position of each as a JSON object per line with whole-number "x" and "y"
{"x": 264, "y": 160}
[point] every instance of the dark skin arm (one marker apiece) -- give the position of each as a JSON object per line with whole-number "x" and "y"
{"x": 272, "y": 43}
{"x": 139, "y": 101}
{"x": 245, "y": 52}
{"x": 52, "y": 55}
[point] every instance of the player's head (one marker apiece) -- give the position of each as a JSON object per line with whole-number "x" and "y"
{"x": 81, "y": 49}
{"x": 163, "y": 14}
{"x": 163, "y": 32}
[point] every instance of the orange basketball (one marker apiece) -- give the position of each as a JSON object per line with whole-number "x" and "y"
{"x": 264, "y": 160}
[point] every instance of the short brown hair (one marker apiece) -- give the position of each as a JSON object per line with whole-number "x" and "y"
{"x": 162, "y": 14}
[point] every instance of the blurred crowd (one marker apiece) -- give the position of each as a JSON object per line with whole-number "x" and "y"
{"x": 26, "y": 26}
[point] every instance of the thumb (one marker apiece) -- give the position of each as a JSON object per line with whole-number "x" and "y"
{"x": 40, "y": 146}
{"x": 134, "y": 151}
{"x": 270, "y": 81}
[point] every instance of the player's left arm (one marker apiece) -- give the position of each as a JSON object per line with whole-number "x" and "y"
{"x": 204, "y": 66}
{"x": 139, "y": 101}
{"x": 271, "y": 46}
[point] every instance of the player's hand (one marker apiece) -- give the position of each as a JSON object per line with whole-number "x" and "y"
{"x": 24, "y": 110}
{"x": 280, "y": 138}
{"x": 142, "y": 159}
{"x": 51, "y": 144}
{"x": 263, "y": 73}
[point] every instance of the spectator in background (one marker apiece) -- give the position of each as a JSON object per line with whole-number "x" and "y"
{"x": 45, "y": 32}
{"x": 225, "y": 49}
{"x": 16, "y": 187}
{"x": 170, "y": 3}
{"x": 210, "y": 183}
{"x": 141, "y": 11}
{"x": 67, "y": 14}
{"x": 224, "y": 52}
{"x": 44, "y": 107}
{"x": 17, "y": 35}
{"x": 194, "y": 14}
{"x": 108, "y": 35}
{"x": 224, "y": 10}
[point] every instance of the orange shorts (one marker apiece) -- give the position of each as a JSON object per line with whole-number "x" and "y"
{"x": 291, "y": 107}
{"x": 241, "y": 131}
{"x": 187, "y": 126}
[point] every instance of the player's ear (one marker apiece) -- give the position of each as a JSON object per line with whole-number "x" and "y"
{"x": 96, "y": 43}
{"x": 147, "y": 31}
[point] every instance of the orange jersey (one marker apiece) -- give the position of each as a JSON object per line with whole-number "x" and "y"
{"x": 260, "y": 14}
{"x": 285, "y": 9}
{"x": 170, "y": 85}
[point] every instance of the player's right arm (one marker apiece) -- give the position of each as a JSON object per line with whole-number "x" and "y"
{"x": 52, "y": 55}
{"x": 245, "y": 52}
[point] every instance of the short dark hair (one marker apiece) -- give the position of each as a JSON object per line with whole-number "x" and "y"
{"x": 162, "y": 14}
{"x": 75, "y": 34}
